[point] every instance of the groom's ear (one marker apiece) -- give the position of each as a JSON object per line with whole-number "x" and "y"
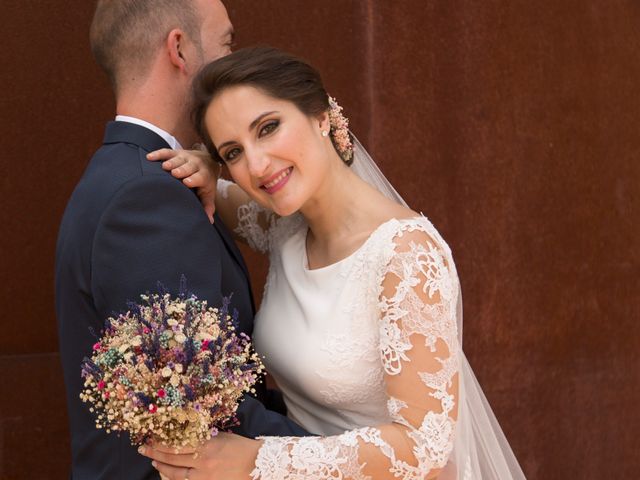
{"x": 175, "y": 47}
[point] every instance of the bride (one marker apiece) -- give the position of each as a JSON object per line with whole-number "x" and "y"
{"x": 361, "y": 320}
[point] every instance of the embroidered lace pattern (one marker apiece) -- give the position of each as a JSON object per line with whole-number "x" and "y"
{"x": 355, "y": 374}
{"x": 254, "y": 225}
{"x": 415, "y": 293}
{"x": 261, "y": 228}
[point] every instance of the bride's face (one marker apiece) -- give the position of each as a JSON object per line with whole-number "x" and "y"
{"x": 274, "y": 152}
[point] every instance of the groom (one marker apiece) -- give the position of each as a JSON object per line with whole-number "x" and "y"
{"x": 129, "y": 224}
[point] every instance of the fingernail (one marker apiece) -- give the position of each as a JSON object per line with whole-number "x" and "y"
{"x": 154, "y": 464}
{"x": 141, "y": 450}
{"x": 150, "y": 155}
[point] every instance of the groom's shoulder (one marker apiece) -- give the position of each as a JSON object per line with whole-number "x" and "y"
{"x": 122, "y": 155}
{"x": 118, "y": 163}
{"x": 119, "y": 174}
{"x": 120, "y": 168}
{"x": 121, "y": 159}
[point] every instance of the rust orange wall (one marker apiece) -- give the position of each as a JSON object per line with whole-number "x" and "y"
{"x": 513, "y": 125}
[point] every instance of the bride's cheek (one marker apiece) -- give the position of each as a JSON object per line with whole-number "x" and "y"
{"x": 239, "y": 177}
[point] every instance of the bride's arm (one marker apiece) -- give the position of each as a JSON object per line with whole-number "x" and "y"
{"x": 419, "y": 352}
{"x": 249, "y": 222}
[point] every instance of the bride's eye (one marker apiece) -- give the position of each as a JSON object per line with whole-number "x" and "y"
{"x": 268, "y": 128}
{"x": 231, "y": 154}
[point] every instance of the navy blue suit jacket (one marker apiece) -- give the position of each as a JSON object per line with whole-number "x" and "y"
{"x": 129, "y": 225}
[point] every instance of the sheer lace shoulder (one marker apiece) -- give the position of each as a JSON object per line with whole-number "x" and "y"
{"x": 419, "y": 352}
{"x": 222, "y": 186}
{"x": 261, "y": 228}
{"x": 255, "y": 224}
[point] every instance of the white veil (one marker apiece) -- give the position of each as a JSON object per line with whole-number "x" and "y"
{"x": 481, "y": 451}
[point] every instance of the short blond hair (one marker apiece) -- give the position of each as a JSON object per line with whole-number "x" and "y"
{"x": 126, "y": 34}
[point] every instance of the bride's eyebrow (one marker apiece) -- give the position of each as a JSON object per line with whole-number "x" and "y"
{"x": 258, "y": 118}
{"x": 251, "y": 127}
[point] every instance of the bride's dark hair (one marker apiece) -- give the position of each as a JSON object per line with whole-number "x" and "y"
{"x": 274, "y": 72}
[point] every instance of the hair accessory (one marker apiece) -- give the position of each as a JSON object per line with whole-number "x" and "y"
{"x": 340, "y": 131}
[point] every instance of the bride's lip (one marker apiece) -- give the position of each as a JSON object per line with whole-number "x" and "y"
{"x": 277, "y": 181}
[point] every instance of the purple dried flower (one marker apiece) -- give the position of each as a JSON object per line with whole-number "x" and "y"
{"x": 144, "y": 399}
{"x": 189, "y": 351}
{"x": 206, "y": 365}
{"x": 188, "y": 393}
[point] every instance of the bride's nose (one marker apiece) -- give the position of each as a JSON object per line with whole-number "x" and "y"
{"x": 258, "y": 162}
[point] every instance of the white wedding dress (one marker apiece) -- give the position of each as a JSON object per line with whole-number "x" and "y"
{"x": 367, "y": 353}
{"x": 336, "y": 344}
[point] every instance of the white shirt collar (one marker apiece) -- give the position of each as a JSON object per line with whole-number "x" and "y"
{"x": 170, "y": 139}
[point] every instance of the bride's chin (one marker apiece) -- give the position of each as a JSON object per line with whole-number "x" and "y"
{"x": 284, "y": 212}
{"x": 283, "y": 209}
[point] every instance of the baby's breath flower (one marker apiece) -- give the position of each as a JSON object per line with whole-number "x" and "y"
{"x": 177, "y": 379}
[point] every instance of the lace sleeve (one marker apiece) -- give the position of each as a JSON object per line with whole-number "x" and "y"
{"x": 420, "y": 353}
{"x": 254, "y": 225}
{"x": 250, "y": 222}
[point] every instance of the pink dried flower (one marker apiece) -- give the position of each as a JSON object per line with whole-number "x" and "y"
{"x": 340, "y": 130}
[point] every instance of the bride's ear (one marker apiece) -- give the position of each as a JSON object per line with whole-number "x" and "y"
{"x": 323, "y": 121}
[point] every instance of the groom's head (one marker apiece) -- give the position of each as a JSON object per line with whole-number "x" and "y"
{"x": 155, "y": 47}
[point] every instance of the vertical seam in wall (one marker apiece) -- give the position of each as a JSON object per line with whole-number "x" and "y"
{"x": 2, "y": 447}
{"x": 370, "y": 73}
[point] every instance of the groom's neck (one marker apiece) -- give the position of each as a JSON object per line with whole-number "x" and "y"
{"x": 165, "y": 110}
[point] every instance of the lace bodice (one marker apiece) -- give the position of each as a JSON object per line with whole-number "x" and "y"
{"x": 366, "y": 351}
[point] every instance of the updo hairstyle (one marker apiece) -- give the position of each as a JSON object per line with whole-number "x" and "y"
{"x": 272, "y": 71}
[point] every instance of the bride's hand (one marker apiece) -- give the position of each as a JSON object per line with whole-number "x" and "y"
{"x": 227, "y": 456}
{"x": 197, "y": 170}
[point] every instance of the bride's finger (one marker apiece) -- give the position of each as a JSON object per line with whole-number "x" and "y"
{"x": 198, "y": 179}
{"x": 185, "y": 169}
{"x": 162, "y": 154}
{"x": 173, "y": 450}
{"x": 173, "y": 473}
{"x": 175, "y": 459}
{"x": 175, "y": 162}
